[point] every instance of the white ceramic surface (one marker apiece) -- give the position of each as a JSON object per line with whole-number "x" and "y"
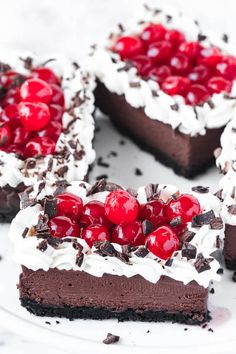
{"x": 68, "y": 26}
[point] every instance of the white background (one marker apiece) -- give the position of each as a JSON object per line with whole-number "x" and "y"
{"x": 69, "y": 27}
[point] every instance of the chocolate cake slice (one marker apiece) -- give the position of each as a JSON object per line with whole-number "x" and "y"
{"x": 168, "y": 85}
{"x": 102, "y": 252}
{"x": 47, "y": 128}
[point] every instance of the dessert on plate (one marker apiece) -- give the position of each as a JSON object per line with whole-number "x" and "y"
{"x": 226, "y": 161}
{"x": 103, "y": 252}
{"x": 169, "y": 85}
{"x": 46, "y": 124}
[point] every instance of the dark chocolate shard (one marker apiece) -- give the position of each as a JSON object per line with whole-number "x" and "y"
{"x": 147, "y": 227}
{"x": 150, "y": 190}
{"x": 76, "y": 245}
{"x": 134, "y": 84}
{"x": 42, "y": 246}
{"x": 141, "y": 252}
{"x": 42, "y": 225}
{"x": 105, "y": 248}
{"x": 103, "y": 176}
{"x": 54, "y": 242}
{"x": 202, "y": 264}
{"x": 138, "y": 172}
{"x": 169, "y": 262}
{"x": 50, "y": 207}
{"x": 175, "y": 107}
{"x": 203, "y": 219}
{"x": 212, "y": 291}
{"x": 25, "y": 232}
{"x": 201, "y": 37}
{"x": 176, "y": 221}
{"x": 132, "y": 192}
{"x": 232, "y": 209}
{"x": 111, "y": 338}
{"x": 218, "y": 194}
{"x": 220, "y": 271}
{"x": 4, "y": 67}
{"x": 62, "y": 171}
{"x": 123, "y": 257}
{"x": 79, "y": 259}
{"x": 187, "y": 236}
{"x": 234, "y": 277}
{"x": 188, "y": 250}
{"x": 101, "y": 186}
{"x": 217, "y": 223}
{"x": 200, "y": 189}
{"x": 60, "y": 187}
{"x": 225, "y": 38}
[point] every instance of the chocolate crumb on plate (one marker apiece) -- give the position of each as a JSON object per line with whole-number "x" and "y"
{"x": 102, "y": 163}
{"x": 111, "y": 338}
{"x": 102, "y": 176}
{"x": 220, "y": 271}
{"x": 185, "y": 329}
{"x": 57, "y": 322}
{"x": 210, "y": 330}
{"x": 234, "y": 277}
{"x": 148, "y": 331}
{"x": 122, "y": 142}
{"x": 138, "y": 172}
{"x": 212, "y": 291}
{"x": 47, "y": 322}
{"x": 112, "y": 153}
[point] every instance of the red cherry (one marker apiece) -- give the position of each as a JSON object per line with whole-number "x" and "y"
{"x": 11, "y": 116}
{"x": 5, "y": 135}
{"x": 94, "y": 213}
{"x": 186, "y": 206}
{"x": 12, "y": 96}
{"x": 95, "y": 233}
{"x": 131, "y": 234}
{"x": 175, "y": 85}
{"x": 196, "y": 95}
{"x": 218, "y": 84}
{"x": 20, "y": 136}
{"x": 40, "y": 146}
{"x": 34, "y": 90}
{"x": 199, "y": 74}
{"x": 56, "y": 112}
{"x": 34, "y": 115}
{"x": 62, "y": 226}
{"x": 46, "y": 75}
{"x": 57, "y": 95}
{"x": 7, "y": 78}
{"x": 128, "y": 47}
{"x": 160, "y": 73}
{"x": 226, "y": 67}
{"x": 69, "y": 204}
{"x": 143, "y": 64}
{"x": 210, "y": 56}
{"x": 175, "y": 37}
{"x": 179, "y": 64}
{"x": 121, "y": 207}
{"x": 153, "y": 211}
{"x": 190, "y": 49}
{"x": 162, "y": 242}
{"x": 160, "y": 52}
{"x": 153, "y": 33}
{"x": 52, "y": 130}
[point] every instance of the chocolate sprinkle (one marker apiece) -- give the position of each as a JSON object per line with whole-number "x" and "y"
{"x": 203, "y": 219}
{"x": 200, "y": 189}
{"x": 232, "y": 209}
{"x": 141, "y": 252}
{"x": 217, "y": 224}
{"x": 202, "y": 264}
{"x": 42, "y": 225}
{"x": 42, "y": 246}
{"x": 50, "y": 207}
{"x": 188, "y": 250}
{"x": 147, "y": 227}
{"x": 111, "y": 338}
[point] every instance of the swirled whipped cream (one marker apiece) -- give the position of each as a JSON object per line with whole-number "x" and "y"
{"x": 226, "y": 161}
{"x": 35, "y": 252}
{"x": 74, "y": 150}
{"x": 119, "y": 79}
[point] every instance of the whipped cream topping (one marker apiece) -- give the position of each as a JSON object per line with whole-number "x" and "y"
{"x": 111, "y": 71}
{"x": 27, "y": 246}
{"x": 77, "y": 122}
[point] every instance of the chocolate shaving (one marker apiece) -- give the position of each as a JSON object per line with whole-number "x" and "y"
{"x": 30, "y": 164}
{"x": 105, "y": 248}
{"x": 42, "y": 246}
{"x": 50, "y": 207}
{"x": 150, "y": 190}
{"x": 225, "y": 38}
{"x": 218, "y": 241}
{"x": 188, "y": 250}
{"x": 42, "y": 225}
{"x": 54, "y": 242}
{"x": 176, "y": 221}
{"x": 126, "y": 249}
{"x": 101, "y": 186}
{"x": 78, "y": 155}
{"x": 168, "y": 18}
{"x": 25, "y": 232}
{"x": 169, "y": 262}
{"x": 4, "y": 67}
{"x": 175, "y": 107}
{"x": 111, "y": 338}
{"x": 218, "y": 194}
{"x": 201, "y": 37}
{"x": 79, "y": 259}
{"x": 123, "y": 257}
{"x": 217, "y": 223}
{"x": 141, "y": 252}
{"x": 134, "y": 84}
{"x": 61, "y": 171}
{"x": 210, "y": 103}
{"x": 147, "y": 227}
{"x": 220, "y": 271}
{"x": 202, "y": 264}
{"x": 232, "y": 209}
{"x": 60, "y": 187}
{"x": 132, "y": 192}
{"x": 121, "y": 27}
{"x": 26, "y": 201}
{"x": 28, "y": 61}
{"x": 187, "y": 236}
{"x": 200, "y": 189}
{"x": 77, "y": 246}
{"x": 203, "y": 219}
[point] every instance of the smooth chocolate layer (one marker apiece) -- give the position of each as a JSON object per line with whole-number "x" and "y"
{"x": 187, "y": 155}
{"x": 230, "y": 246}
{"x": 10, "y": 202}
{"x": 76, "y": 294}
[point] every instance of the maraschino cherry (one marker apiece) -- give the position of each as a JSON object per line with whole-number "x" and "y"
{"x": 34, "y": 115}
{"x": 185, "y": 206}
{"x": 39, "y": 146}
{"x": 131, "y": 233}
{"x": 36, "y": 90}
{"x": 62, "y": 226}
{"x": 94, "y": 213}
{"x": 70, "y": 205}
{"x": 127, "y": 47}
{"x": 95, "y": 233}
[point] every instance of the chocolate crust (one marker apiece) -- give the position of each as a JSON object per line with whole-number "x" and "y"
{"x": 187, "y": 156}
{"x": 230, "y": 246}
{"x": 95, "y": 313}
{"x": 10, "y": 202}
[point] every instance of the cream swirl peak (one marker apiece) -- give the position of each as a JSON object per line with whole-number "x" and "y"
{"x": 142, "y": 91}
{"x": 74, "y": 152}
{"x": 191, "y": 255}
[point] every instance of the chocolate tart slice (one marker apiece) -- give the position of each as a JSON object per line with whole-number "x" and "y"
{"x": 167, "y": 85}
{"x": 46, "y": 124}
{"x": 102, "y": 252}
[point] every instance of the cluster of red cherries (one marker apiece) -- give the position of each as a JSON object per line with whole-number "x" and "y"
{"x": 120, "y": 220}
{"x": 179, "y": 66}
{"x": 31, "y": 117}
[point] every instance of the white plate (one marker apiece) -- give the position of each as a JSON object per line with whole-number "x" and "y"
{"x": 86, "y": 336}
